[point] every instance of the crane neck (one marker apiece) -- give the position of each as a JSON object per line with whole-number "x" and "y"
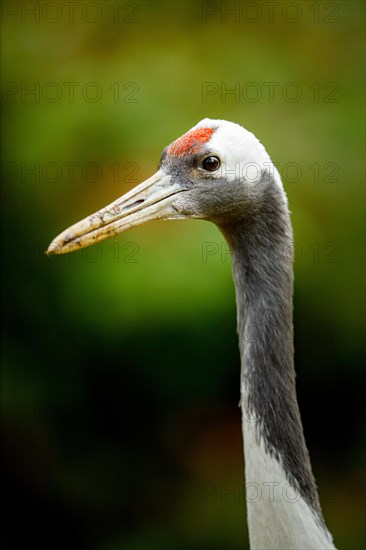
{"x": 281, "y": 491}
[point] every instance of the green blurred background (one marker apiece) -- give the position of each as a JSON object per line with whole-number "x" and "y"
{"x": 120, "y": 383}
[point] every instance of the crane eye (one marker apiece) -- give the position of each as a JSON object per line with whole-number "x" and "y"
{"x": 211, "y": 164}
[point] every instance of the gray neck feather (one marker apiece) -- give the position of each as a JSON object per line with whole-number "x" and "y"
{"x": 261, "y": 244}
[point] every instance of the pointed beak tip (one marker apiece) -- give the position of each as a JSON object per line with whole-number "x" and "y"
{"x": 53, "y": 248}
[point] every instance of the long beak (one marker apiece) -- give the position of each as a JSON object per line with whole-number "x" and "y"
{"x": 151, "y": 200}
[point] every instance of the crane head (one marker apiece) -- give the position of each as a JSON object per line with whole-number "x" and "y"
{"x": 213, "y": 172}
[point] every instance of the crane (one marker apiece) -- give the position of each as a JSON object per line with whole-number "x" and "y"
{"x": 220, "y": 172}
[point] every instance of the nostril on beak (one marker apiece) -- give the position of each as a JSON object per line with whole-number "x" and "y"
{"x": 133, "y": 204}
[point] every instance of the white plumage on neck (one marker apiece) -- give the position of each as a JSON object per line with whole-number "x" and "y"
{"x": 278, "y": 517}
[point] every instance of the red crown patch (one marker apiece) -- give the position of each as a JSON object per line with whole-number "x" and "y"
{"x": 190, "y": 142}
